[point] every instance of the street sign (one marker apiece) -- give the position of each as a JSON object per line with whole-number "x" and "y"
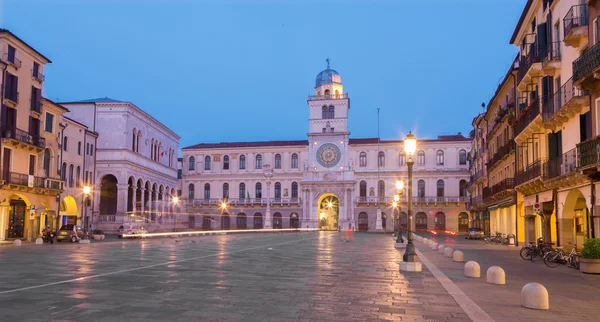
{"x": 32, "y": 207}
{"x": 31, "y": 214}
{"x": 537, "y": 208}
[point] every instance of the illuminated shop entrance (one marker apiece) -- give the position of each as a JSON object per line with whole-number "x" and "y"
{"x": 328, "y": 212}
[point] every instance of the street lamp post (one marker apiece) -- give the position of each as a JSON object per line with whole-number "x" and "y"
{"x": 86, "y": 193}
{"x": 410, "y": 260}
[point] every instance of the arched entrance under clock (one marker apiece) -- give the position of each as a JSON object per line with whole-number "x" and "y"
{"x": 328, "y": 210}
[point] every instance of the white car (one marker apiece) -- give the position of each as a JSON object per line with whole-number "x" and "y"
{"x": 130, "y": 230}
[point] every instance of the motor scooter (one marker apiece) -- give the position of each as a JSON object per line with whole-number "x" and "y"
{"x": 48, "y": 236}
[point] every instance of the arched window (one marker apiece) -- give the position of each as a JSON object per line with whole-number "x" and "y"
{"x": 71, "y": 176}
{"x": 191, "y": 191}
{"x": 324, "y": 112}
{"x": 242, "y": 190}
{"x": 277, "y": 190}
{"x": 78, "y": 177}
{"x": 363, "y": 189}
{"x": 381, "y": 189}
{"x": 421, "y": 189}
{"x": 207, "y": 163}
{"x": 242, "y": 161}
{"x": 79, "y": 148}
{"x": 206, "y": 191}
{"x": 462, "y": 157}
{"x": 401, "y": 158}
{"x": 440, "y": 188}
{"x": 192, "y": 164}
{"x": 294, "y": 190}
{"x": 63, "y": 171}
{"x": 331, "y": 112}
{"x": 65, "y": 143}
{"x": 294, "y": 161}
{"x": 134, "y": 140}
{"x": 381, "y": 159}
{"x": 258, "y": 193}
{"x": 258, "y": 161}
{"x": 226, "y": 162}
{"x": 277, "y": 161}
{"x": 137, "y": 141}
{"x": 327, "y": 92}
{"x": 226, "y": 190}
{"x": 439, "y": 157}
{"x": 337, "y": 93}
{"x": 462, "y": 186}
{"x": 363, "y": 159}
{"x": 47, "y": 162}
{"x": 421, "y": 157}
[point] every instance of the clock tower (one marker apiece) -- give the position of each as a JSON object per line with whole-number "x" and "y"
{"x": 328, "y": 171}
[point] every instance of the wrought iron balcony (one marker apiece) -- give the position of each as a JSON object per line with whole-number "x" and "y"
{"x": 575, "y": 25}
{"x": 551, "y": 57}
{"x": 588, "y": 153}
{"x": 506, "y": 184}
{"x": 586, "y": 68}
{"x": 11, "y": 59}
{"x": 21, "y": 136}
{"x": 39, "y": 76}
{"x": 527, "y": 116}
{"x": 502, "y": 152}
{"x": 565, "y": 101}
{"x": 475, "y": 202}
{"x": 531, "y": 172}
{"x": 327, "y": 97}
{"x": 561, "y": 165}
{"x": 529, "y": 58}
{"x": 216, "y": 202}
{"x": 24, "y": 180}
{"x": 11, "y": 97}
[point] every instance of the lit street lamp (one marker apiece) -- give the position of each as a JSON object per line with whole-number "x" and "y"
{"x": 175, "y": 202}
{"x": 410, "y": 260}
{"x": 86, "y": 193}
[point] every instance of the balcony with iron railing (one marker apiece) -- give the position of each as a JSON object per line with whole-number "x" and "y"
{"x": 477, "y": 175}
{"x": 504, "y": 185}
{"x": 529, "y": 62}
{"x": 575, "y": 25}
{"x": 500, "y": 115}
{"x": 327, "y": 97}
{"x": 502, "y": 153}
{"x": 12, "y": 60}
{"x": 551, "y": 57}
{"x": 11, "y": 98}
{"x": 529, "y": 173}
{"x": 38, "y": 76}
{"x": 415, "y": 199}
{"x": 29, "y": 181}
{"x": 36, "y": 105}
{"x": 20, "y": 136}
{"x": 475, "y": 202}
{"x": 588, "y": 153}
{"x": 567, "y": 101}
{"x": 527, "y": 116}
{"x": 561, "y": 165}
{"x": 586, "y": 68}
{"x": 216, "y": 202}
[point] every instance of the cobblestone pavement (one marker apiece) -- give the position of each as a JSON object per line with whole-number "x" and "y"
{"x": 574, "y": 296}
{"x": 304, "y": 277}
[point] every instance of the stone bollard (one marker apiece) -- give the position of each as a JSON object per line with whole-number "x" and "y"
{"x": 472, "y": 269}
{"x": 433, "y": 245}
{"x": 425, "y": 240}
{"x": 39, "y": 241}
{"x": 84, "y": 241}
{"x": 535, "y": 296}
{"x": 448, "y": 252}
{"x": 441, "y": 248}
{"x": 458, "y": 256}
{"x": 495, "y": 275}
{"x": 17, "y": 242}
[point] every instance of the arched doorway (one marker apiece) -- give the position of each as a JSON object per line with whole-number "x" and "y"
{"x": 16, "y": 218}
{"x": 383, "y": 220}
{"x": 463, "y": 222}
{"x": 225, "y": 221}
{"x": 363, "y": 221}
{"x": 68, "y": 211}
{"x": 294, "y": 220}
{"x": 440, "y": 221}
{"x": 574, "y": 222}
{"x": 328, "y": 211}
{"x": 206, "y": 223}
{"x": 258, "y": 221}
{"x": 404, "y": 220}
{"x": 241, "y": 221}
{"x": 108, "y": 195}
{"x": 421, "y": 221}
{"x": 277, "y": 221}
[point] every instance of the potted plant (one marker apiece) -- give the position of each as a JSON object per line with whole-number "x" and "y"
{"x": 589, "y": 262}
{"x": 97, "y": 234}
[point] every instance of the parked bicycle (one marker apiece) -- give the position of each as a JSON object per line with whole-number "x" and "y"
{"x": 532, "y": 251}
{"x": 499, "y": 238}
{"x": 556, "y": 257}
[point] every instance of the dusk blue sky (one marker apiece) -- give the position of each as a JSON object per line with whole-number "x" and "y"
{"x": 241, "y": 70}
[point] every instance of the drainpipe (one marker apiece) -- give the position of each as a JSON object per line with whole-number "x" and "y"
{"x": 82, "y": 184}
{"x": 555, "y": 196}
{"x": 2, "y": 100}
{"x": 60, "y": 141}
{"x": 593, "y": 210}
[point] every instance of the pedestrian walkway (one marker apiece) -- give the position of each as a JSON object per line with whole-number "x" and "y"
{"x": 573, "y": 295}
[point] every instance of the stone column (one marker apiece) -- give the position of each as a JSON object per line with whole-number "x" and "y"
{"x": 268, "y": 176}
{"x": 133, "y": 200}
{"x": 122, "y": 201}
{"x": 142, "y": 201}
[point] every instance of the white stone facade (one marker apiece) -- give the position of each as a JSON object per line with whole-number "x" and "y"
{"x": 328, "y": 181}
{"x": 136, "y": 164}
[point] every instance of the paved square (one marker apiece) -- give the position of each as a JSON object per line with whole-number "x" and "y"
{"x": 306, "y": 276}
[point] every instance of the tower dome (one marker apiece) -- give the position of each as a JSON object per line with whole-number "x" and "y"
{"x": 328, "y": 76}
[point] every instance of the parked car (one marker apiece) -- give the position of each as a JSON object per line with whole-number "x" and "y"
{"x": 71, "y": 232}
{"x": 130, "y": 230}
{"x": 474, "y": 233}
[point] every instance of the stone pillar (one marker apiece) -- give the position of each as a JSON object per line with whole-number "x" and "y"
{"x": 142, "y": 201}
{"x": 122, "y": 200}
{"x": 378, "y": 226}
{"x": 268, "y": 171}
{"x": 133, "y": 200}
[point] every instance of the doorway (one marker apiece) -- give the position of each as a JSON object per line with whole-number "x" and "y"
{"x": 328, "y": 212}
{"x": 363, "y": 221}
{"x": 440, "y": 221}
{"x": 16, "y": 219}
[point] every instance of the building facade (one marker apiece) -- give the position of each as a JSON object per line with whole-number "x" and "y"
{"x": 328, "y": 181}
{"x": 542, "y": 115}
{"x": 135, "y": 173}
{"x": 29, "y": 129}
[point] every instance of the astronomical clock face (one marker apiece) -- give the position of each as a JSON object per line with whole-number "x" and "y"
{"x": 328, "y": 155}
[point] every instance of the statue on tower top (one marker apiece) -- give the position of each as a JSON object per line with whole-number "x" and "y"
{"x": 328, "y": 61}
